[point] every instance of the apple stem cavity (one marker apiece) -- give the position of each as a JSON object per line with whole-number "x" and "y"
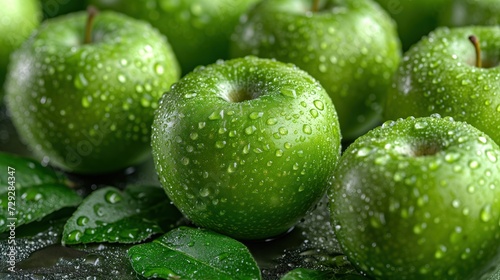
{"x": 315, "y": 6}
{"x": 475, "y": 41}
{"x": 91, "y": 13}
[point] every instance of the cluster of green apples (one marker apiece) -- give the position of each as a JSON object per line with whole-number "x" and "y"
{"x": 245, "y": 105}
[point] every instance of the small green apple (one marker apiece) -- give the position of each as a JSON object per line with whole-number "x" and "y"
{"x": 440, "y": 75}
{"x": 351, "y": 47}
{"x": 84, "y": 97}
{"x": 419, "y": 198}
{"x": 471, "y": 12}
{"x": 17, "y": 20}
{"x": 54, "y": 8}
{"x": 246, "y": 147}
{"x": 414, "y": 18}
{"x": 198, "y": 30}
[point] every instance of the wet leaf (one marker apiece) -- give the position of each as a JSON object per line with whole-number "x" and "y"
{"x": 188, "y": 253}
{"x": 24, "y": 172}
{"x": 110, "y": 215}
{"x": 32, "y": 203}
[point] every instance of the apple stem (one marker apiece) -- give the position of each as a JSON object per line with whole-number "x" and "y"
{"x": 315, "y": 6}
{"x": 91, "y": 12}
{"x": 475, "y": 41}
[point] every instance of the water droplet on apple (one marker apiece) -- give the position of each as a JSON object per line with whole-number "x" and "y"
{"x": 204, "y": 192}
{"x": 80, "y": 81}
{"x": 86, "y": 100}
{"x": 159, "y": 69}
{"x": 121, "y": 78}
{"x": 249, "y": 130}
{"x": 491, "y": 156}
{"x": 307, "y": 129}
{"x": 193, "y": 135}
{"x": 272, "y": 121}
{"x": 420, "y": 125}
{"x": 473, "y": 164}
{"x": 451, "y": 157}
{"x": 256, "y": 115}
{"x": 485, "y": 214}
{"x": 289, "y": 92}
{"x": 440, "y": 252}
{"x": 319, "y": 105}
{"x": 220, "y": 144}
{"x": 185, "y": 161}
{"x": 363, "y": 152}
{"x": 279, "y": 153}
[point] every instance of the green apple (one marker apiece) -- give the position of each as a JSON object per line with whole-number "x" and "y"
{"x": 17, "y": 20}
{"x": 246, "y": 147}
{"x": 82, "y": 91}
{"x": 440, "y": 75}
{"x": 351, "y": 47}
{"x": 419, "y": 198}
{"x": 198, "y": 30}
{"x": 471, "y": 12}
{"x": 54, "y": 8}
{"x": 415, "y": 18}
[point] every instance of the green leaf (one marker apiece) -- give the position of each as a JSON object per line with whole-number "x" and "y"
{"x": 24, "y": 172}
{"x": 110, "y": 215}
{"x": 32, "y": 203}
{"x": 188, "y": 253}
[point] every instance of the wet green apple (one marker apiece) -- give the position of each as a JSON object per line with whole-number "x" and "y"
{"x": 419, "y": 198}
{"x": 471, "y": 12}
{"x": 446, "y": 74}
{"x": 198, "y": 30}
{"x": 351, "y": 47}
{"x": 82, "y": 92}
{"x": 414, "y": 18}
{"x": 246, "y": 147}
{"x": 17, "y": 20}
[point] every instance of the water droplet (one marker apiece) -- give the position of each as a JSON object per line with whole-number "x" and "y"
{"x": 471, "y": 188}
{"x": 279, "y": 153}
{"x": 185, "y": 161}
{"x": 82, "y": 221}
{"x": 272, "y": 121}
{"x": 98, "y": 210}
{"x": 473, "y": 164}
{"x": 289, "y": 92}
{"x": 283, "y": 131}
{"x": 256, "y": 115}
{"x": 204, "y": 192}
{"x": 86, "y": 100}
{"x": 319, "y": 105}
{"x": 363, "y": 152}
{"x": 220, "y": 144}
{"x": 121, "y": 78}
{"x": 451, "y": 157}
{"x": 314, "y": 113}
{"x": 113, "y": 197}
{"x": 420, "y": 125}
{"x": 491, "y": 156}
{"x": 193, "y": 135}
{"x": 80, "y": 81}
{"x": 440, "y": 252}
{"x": 75, "y": 236}
{"x": 307, "y": 129}
{"x": 250, "y": 130}
{"x": 159, "y": 69}
{"x": 215, "y": 116}
{"x": 485, "y": 213}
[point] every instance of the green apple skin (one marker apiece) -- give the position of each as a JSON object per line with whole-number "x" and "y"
{"x": 88, "y": 108}
{"x": 419, "y": 198}
{"x": 18, "y": 20}
{"x": 414, "y": 18}
{"x": 351, "y": 47}
{"x": 198, "y": 30}
{"x": 55, "y": 8}
{"x": 471, "y": 12}
{"x": 438, "y": 75}
{"x": 246, "y": 147}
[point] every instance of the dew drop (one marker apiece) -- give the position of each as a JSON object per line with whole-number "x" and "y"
{"x": 250, "y": 130}
{"x": 289, "y": 92}
{"x": 473, "y": 164}
{"x": 220, "y": 144}
{"x": 159, "y": 69}
{"x": 256, "y": 115}
{"x": 272, "y": 121}
{"x": 113, "y": 197}
{"x": 121, "y": 78}
{"x": 75, "y": 236}
{"x": 185, "y": 161}
{"x": 420, "y": 125}
{"x": 82, "y": 221}
{"x": 485, "y": 214}
{"x": 491, "y": 156}
{"x": 279, "y": 153}
{"x": 363, "y": 152}
{"x": 98, "y": 210}
{"x": 204, "y": 192}
{"x": 86, "y": 101}
{"x": 307, "y": 129}
{"x": 319, "y": 105}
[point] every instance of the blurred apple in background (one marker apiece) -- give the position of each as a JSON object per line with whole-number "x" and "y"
{"x": 351, "y": 47}
{"x": 415, "y": 18}
{"x": 18, "y": 19}
{"x": 471, "y": 12}
{"x": 198, "y": 30}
